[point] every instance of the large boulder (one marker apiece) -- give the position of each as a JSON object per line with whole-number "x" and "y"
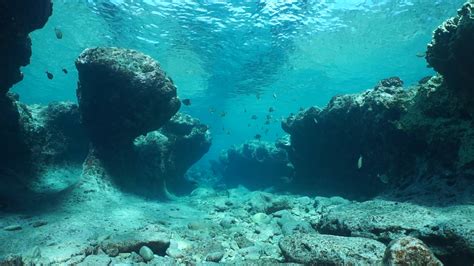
{"x": 122, "y": 94}
{"x": 17, "y": 19}
{"x": 451, "y": 51}
{"x": 255, "y": 165}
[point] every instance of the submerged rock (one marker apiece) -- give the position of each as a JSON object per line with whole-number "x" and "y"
{"x": 17, "y": 19}
{"x": 450, "y": 52}
{"x": 255, "y": 165}
{"x": 122, "y": 94}
{"x": 409, "y": 251}
{"x": 345, "y": 147}
{"x": 316, "y": 249}
{"x": 447, "y": 233}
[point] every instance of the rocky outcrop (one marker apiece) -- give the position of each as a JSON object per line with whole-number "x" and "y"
{"x": 122, "y": 94}
{"x": 316, "y": 249}
{"x": 38, "y": 139}
{"x": 17, "y": 20}
{"x": 255, "y": 165}
{"x": 347, "y": 147}
{"x": 450, "y": 52}
{"x": 124, "y": 98}
{"x": 409, "y": 251}
{"x": 410, "y": 143}
{"x": 447, "y": 232}
{"x": 169, "y": 152}
{"x": 156, "y": 163}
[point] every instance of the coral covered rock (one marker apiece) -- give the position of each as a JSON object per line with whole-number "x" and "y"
{"x": 122, "y": 94}
{"x": 255, "y": 164}
{"x": 409, "y": 251}
{"x": 451, "y": 51}
{"x": 17, "y": 19}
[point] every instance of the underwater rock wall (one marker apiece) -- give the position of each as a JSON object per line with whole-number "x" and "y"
{"x": 17, "y": 19}
{"x": 409, "y": 143}
{"x": 255, "y": 165}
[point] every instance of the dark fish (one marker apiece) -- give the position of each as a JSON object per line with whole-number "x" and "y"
{"x": 59, "y": 33}
{"x": 186, "y": 102}
{"x": 258, "y": 137}
{"x": 245, "y": 110}
{"x": 223, "y": 114}
{"x": 258, "y": 96}
{"x": 65, "y": 71}
{"x": 254, "y": 117}
{"x": 271, "y": 109}
{"x": 49, "y": 75}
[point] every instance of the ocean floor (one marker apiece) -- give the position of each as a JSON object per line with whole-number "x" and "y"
{"x": 95, "y": 224}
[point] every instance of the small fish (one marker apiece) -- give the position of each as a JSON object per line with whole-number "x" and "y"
{"x": 360, "y": 162}
{"x": 245, "y": 110}
{"x": 223, "y": 114}
{"x": 228, "y": 132}
{"x": 274, "y": 96}
{"x": 254, "y": 117}
{"x": 315, "y": 120}
{"x": 211, "y": 110}
{"x": 59, "y": 33}
{"x": 258, "y": 137}
{"x": 257, "y": 95}
{"x": 301, "y": 109}
{"x": 421, "y": 54}
{"x": 186, "y": 102}
{"x": 267, "y": 122}
{"x": 271, "y": 109}
{"x": 49, "y": 75}
{"x": 248, "y": 125}
{"x": 65, "y": 71}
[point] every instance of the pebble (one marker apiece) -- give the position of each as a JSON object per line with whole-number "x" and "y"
{"x": 146, "y": 253}
{"x": 215, "y": 256}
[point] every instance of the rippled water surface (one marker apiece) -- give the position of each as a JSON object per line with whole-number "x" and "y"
{"x": 235, "y": 59}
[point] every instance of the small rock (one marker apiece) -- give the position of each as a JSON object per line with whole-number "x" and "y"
{"x": 261, "y": 218}
{"x": 15, "y": 227}
{"x": 227, "y": 222}
{"x": 215, "y": 256}
{"x": 409, "y": 251}
{"x": 146, "y": 253}
{"x": 95, "y": 260}
{"x": 39, "y": 223}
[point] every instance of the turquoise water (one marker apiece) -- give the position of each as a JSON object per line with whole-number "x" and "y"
{"x": 224, "y": 55}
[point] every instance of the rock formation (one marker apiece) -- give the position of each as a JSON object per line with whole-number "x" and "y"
{"x": 408, "y": 143}
{"x": 255, "y": 164}
{"x": 17, "y": 19}
{"x": 124, "y": 98}
{"x": 122, "y": 94}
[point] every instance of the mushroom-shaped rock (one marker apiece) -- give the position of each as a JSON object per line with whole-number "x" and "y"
{"x": 451, "y": 52}
{"x": 122, "y": 94}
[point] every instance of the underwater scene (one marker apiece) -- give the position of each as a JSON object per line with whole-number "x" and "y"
{"x": 225, "y": 132}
